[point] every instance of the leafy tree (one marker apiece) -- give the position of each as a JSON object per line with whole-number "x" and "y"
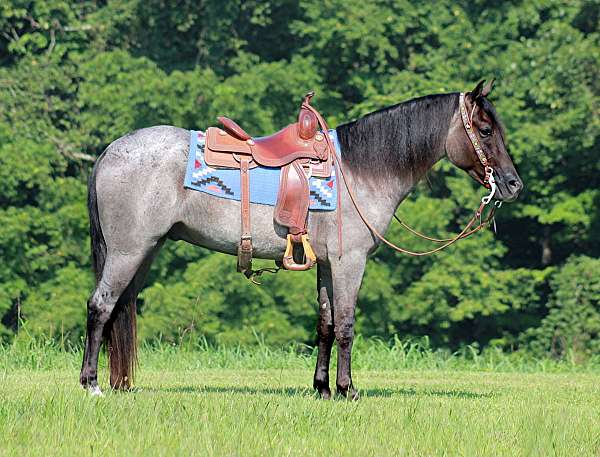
{"x": 76, "y": 76}
{"x": 572, "y": 326}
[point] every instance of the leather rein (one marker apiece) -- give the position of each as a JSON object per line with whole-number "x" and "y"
{"x": 488, "y": 181}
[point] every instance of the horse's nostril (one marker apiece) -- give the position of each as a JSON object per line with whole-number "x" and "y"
{"x": 515, "y": 184}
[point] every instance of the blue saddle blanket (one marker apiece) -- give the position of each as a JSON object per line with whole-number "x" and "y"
{"x": 264, "y": 181}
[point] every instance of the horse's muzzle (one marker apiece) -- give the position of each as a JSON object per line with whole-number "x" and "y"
{"x": 509, "y": 187}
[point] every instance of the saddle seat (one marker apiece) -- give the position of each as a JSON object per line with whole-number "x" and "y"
{"x": 283, "y": 147}
{"x": 301, "y": 150}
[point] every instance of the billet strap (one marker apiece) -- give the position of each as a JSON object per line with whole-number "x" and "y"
{"x": 245, "y": 247}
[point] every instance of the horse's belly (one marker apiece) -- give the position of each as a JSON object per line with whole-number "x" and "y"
{"x": 215, "y": 223}
{"x": 261, "y": 249}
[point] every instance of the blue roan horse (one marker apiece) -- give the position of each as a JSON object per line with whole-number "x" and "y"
{"x": 137, "y": 200}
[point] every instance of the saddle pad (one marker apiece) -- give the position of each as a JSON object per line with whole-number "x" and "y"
{"x": 264, "y": 181}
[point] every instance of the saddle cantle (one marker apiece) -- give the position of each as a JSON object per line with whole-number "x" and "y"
{"x": 300, "y": 150}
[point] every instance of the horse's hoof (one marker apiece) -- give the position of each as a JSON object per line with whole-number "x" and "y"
{"x": 349, "y": 394}
{"x": 95, "y": 391}
{"x": 325, "y": 394}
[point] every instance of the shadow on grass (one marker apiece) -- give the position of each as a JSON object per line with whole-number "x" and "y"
{"x": 306, "y": 392}
{"x": 408, "y": 392}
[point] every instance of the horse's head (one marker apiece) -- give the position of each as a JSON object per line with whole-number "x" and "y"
{"x": 476, "y": 144}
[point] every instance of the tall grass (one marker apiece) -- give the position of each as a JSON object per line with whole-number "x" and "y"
{"x": 31, "y": 353}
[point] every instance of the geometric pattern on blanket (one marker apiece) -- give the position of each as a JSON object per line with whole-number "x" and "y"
{"x": 264, "y": 181}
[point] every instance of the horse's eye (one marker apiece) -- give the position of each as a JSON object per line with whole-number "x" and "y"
{"x": 486, "y": 131}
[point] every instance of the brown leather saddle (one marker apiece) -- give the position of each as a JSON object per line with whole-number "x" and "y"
{"x": 301, "y": 150}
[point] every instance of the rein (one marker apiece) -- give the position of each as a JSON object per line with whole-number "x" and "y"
{"x": 489, "y": 182}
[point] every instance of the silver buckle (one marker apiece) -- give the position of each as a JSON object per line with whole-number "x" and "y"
{"x": 307, "y": 168}
{"x": 485, "y": 200}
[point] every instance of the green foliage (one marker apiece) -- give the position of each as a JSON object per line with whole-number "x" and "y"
{"x": 572, "y": 326}
{"x": 55, "y": 308}
{"x": 223, "y": 310}
{"x": 76, "y": 76}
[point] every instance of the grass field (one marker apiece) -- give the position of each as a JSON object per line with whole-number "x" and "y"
{"x": 259, "y": 402}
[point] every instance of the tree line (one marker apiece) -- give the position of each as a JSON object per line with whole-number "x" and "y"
{"x": 75, "y": 76}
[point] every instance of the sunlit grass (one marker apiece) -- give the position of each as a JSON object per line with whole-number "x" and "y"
{"x": 372, "y": 354}
{"x": 201, "y": 400}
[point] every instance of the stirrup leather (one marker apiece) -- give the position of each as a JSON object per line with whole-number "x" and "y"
{"x": 309, "y": 255}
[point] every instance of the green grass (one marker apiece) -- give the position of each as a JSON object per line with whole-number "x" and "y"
{"x": 258, "y": 401}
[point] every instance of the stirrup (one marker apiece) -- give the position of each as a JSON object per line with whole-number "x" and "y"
{"x": 309, "y": 255}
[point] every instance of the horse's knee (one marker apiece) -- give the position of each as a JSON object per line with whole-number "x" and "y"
{"x": 344, "y": 334}
{"x": 325, "y": 324}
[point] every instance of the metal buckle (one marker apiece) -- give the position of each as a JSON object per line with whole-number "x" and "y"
{"x": 485, "y": 200}
{"x": 309, "y": 167}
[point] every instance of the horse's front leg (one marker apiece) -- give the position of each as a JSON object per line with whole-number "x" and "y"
{"x": 324, "y": 330}
{"x": 347, "y": 278}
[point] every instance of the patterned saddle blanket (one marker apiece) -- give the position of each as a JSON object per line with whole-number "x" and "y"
{"x": 264, "y": 181}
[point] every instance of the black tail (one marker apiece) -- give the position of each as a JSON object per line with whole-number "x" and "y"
{"x": 96, "y": 237}
{"x": 120, "y": 330}
{"x": 121, "y": 342}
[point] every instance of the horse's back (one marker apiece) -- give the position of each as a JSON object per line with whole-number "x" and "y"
{"x": 148, "y": 149}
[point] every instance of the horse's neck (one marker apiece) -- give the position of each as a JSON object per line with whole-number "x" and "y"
{"x": 389, "y": 151}
{"x": 379, "y": 197}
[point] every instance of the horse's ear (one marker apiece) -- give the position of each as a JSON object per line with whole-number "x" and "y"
{"x": 488, "y": 88}
{"x": 476, "y": 93}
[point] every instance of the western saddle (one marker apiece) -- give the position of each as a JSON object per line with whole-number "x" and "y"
{"x": 302, "y": 149}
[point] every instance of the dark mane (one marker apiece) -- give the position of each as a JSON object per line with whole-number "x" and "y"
{"x": 398, "y": 138}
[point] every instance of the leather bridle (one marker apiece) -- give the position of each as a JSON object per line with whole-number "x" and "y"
{"x": 467, "y": 120}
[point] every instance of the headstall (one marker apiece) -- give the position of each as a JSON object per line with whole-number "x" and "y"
{"x": 467, "y": 120}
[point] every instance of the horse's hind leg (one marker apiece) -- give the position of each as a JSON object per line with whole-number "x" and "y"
{"x": 324, "y": 330}
{"x": 119, "y": 272}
